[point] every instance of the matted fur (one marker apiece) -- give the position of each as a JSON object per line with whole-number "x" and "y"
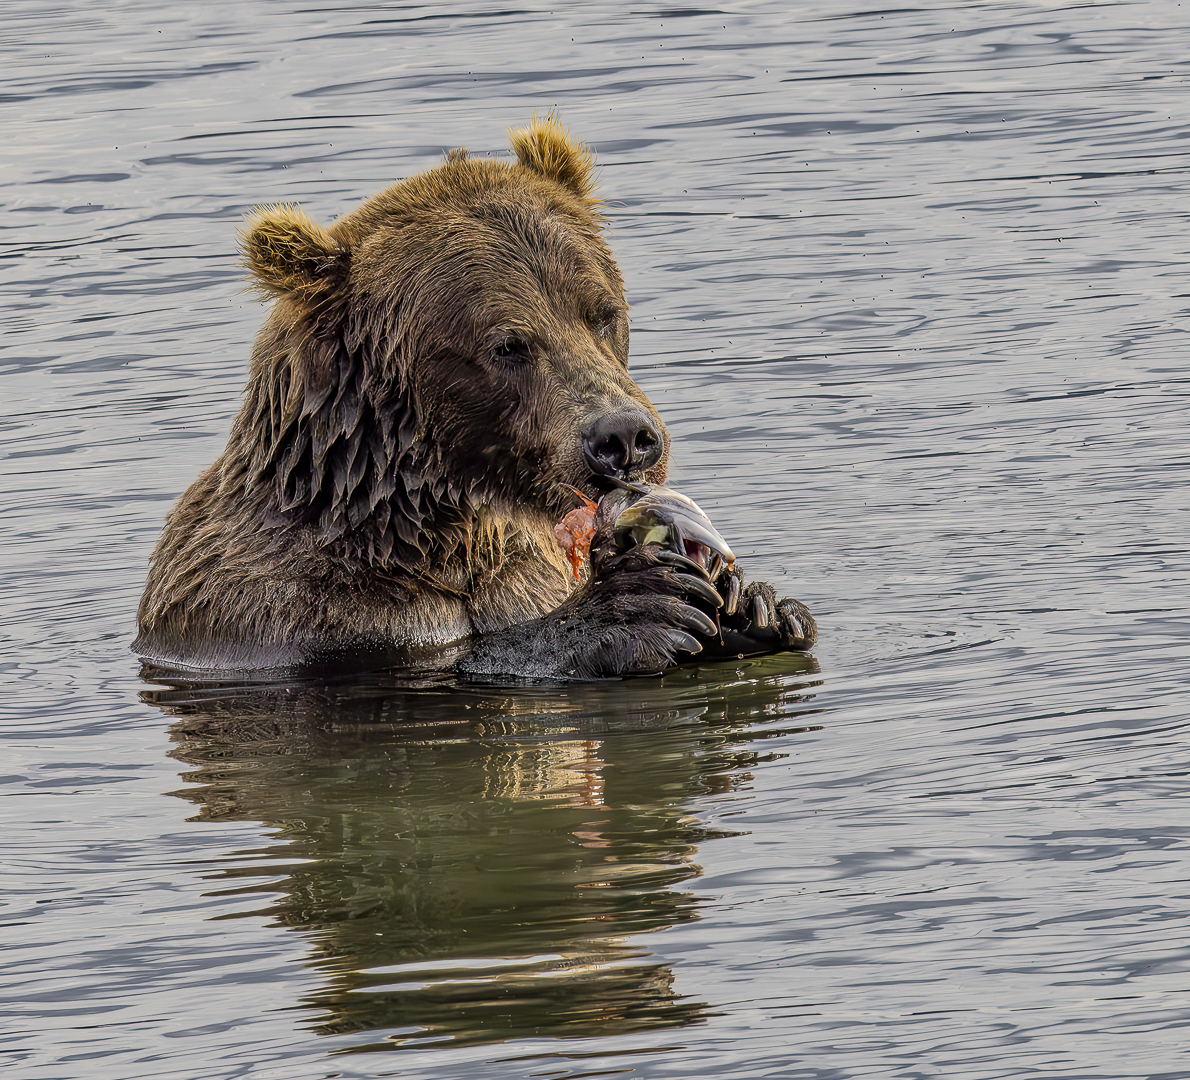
{"x": 441, "y": 370}
{"x": 386, "y": 482}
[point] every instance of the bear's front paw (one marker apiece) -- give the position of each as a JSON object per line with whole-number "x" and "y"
{"x": 789, "y": 618}
{"x": 754, "y": 612}
{"x": 640, "y": 619}
{"x": 639, "y": 622}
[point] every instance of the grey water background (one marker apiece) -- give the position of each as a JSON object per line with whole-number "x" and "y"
{"x": 909, "y": 288}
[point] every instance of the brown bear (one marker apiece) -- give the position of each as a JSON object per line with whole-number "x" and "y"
{"x": 442, "y": 370}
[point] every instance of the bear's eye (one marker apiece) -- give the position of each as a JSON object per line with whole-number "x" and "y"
{"x": 605, "y": 321}
{"x": 512, "y": 350}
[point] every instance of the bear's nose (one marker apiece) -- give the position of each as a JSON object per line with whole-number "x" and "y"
{"x": 623, "y": 443}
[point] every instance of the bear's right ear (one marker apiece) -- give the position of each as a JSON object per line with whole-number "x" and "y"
{"x": 289, "y": 254}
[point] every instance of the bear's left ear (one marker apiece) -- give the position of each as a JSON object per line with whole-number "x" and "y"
{"x": 546, "y": 147}
{"x": 289, "y": 254}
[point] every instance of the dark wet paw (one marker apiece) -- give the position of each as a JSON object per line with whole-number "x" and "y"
{"x": 754, "y": 620}
{"x": 642, "y": 618}
{"x": 645, "y": 648}
{"x": 797, "y": 625}
{"x": 788, "y": 619}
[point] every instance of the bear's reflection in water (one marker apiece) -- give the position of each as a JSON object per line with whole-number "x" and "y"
{"x": 477, "y": 864}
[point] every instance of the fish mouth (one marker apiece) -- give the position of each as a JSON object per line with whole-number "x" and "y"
{"x": 660, "y": 515}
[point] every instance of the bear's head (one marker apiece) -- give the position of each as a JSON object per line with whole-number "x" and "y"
{"x": 457, "y": 344}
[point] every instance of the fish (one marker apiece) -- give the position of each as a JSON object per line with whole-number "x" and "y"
{"x": 643, "y": 514}
{"x": 635, "y": 515}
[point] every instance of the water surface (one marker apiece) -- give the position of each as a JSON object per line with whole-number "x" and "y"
{"x": 909, "y": 287}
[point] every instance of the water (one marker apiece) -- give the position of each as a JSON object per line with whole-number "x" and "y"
{"x": 910, "y": 290}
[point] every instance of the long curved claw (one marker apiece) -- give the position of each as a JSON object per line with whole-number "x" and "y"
{"x": 684, "y": 641}
{"x": 731, "y": 601}
{"x": 701, "y": 588}
{"x": 693, "y": 619}
{"x": 680, "y": 562}
{"x": 762, "y": 613}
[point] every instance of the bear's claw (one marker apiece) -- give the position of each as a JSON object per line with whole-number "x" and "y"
{"x": 685, "y": 642}
{"x": 698, "y": 587}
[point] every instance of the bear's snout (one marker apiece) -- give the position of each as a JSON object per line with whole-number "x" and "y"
{"x": 624, "y": 443}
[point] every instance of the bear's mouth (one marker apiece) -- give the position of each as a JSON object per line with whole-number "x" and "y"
{"x": 593, "y": 486}
{"x": 599, "y": 481}
{"x": 597, "y": 485}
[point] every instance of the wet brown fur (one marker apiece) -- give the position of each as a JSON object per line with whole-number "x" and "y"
{"x": 390, "y": 481}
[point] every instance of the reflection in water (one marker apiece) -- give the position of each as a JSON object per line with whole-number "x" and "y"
{"x": 476, "y": 864}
